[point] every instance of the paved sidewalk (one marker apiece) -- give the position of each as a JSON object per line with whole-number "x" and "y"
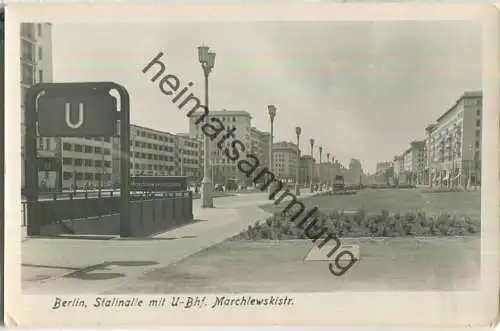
{"x": 94, "y": 266}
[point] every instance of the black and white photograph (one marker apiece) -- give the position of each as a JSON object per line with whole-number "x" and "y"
{"x": 212, "y": 165}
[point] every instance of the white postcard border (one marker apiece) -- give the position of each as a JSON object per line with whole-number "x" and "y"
{"x": 345, "y": 308}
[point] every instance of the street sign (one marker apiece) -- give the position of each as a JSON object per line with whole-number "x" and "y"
{"x": 76, "y": 116}
{"x": 158, "y": 183}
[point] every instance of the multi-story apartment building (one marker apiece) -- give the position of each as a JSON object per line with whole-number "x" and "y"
{"x": 399, "y": 170}
{"x": 285, "y": 160}
{"x": 327, "y": 171}
{"x": 36, "y": 67}
{"x": 355, "y": 173}
{"x": 453, "y": 144}
{"x": 222, "y": 168}
{"x": 159, "y": 153}
{"x": 260, "y": 145}
{"x": 413, "y": 163}
{"x": 381, "y": 169}
{"x": 81, "y": 161}
{"x": 187, "y": 157}
{"x": 86, "y": 163}
{"x": 307, "y": 168}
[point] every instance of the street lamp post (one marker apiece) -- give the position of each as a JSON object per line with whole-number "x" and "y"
{"x": 328, "y": 181}
{"x": 271, "y": 109}
{"x": 207, "y": 61}
{"x": 320, "y": 172}
{"x": 298, "y": 130}
{"x": 334, "y": 170}
{"x": 311, "y": 142}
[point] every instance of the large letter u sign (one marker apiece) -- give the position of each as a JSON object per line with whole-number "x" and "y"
{"x": 79, "y": 123}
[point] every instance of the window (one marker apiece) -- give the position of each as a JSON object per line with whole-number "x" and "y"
{"x": 88, "y": 162}
{"x": 107, "y": 151}
{"x": 478, "y": 122}
{"x": 67, "y": 175}
{"x": 67, "y": 146}
{"x": 27, "y": 74}
{"x": 78, "y": 148}
{"x": 40, "y": 142}
{"x": 107, "y": 164}
{"x": 40, "y": 75}
{"x": 78, "y": 162}
{"x": 40, "y": 54}
{"x": 40, "y": 28}
{"x": 478, "y": 112}
{"x": 478, "y": 133}
{"x": 89, "y": 176}
{"x": 67, "y": 161}
{"x": 27, "y": 30}
{"x": 477, "y": 144}
{"x": 98, "y": 150}
{"x": 88, "y": 149}
{"x": 24, "y": 90}
{"x": 78, "y": 175}
{"x": 98, "y": 163}
{"x": 48, "y": 144}
{"x": 27, "y": 53}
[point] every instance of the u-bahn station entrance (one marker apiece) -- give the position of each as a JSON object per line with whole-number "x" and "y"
{"x": 143, "y": 206}
{"x": 156, "y": 204}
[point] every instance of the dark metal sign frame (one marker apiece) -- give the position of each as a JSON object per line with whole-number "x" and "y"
{"x": 76, "y": 93}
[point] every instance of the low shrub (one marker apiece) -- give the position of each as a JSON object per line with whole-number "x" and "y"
{"x": 362, "y": 224}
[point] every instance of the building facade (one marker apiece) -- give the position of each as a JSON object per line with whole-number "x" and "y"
{"x": 187, "y": 158}
{"x": 307, "y": 170}
{"x": 453, "y": 144}
{"x": 260, "y": 145}
{"x": 285, "y": 160}
{"x": 399, "y": 170}
{"x": 159, "y": 153}
{"x": 86, "y": 163}
{"x": 36, "y": 67}
{"x": 222, "y": 168}
{"x": 381, "y": 169}
{"x": 413, "y": 163}
{"x": 355, "y": 173}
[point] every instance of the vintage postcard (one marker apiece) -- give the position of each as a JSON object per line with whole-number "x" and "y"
{"x": 252, "y": 165}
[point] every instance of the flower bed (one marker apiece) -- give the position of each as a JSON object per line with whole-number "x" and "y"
{"x": 361, "y": 224}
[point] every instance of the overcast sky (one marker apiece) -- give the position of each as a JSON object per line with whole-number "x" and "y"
{"x": 362, "y": 90}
